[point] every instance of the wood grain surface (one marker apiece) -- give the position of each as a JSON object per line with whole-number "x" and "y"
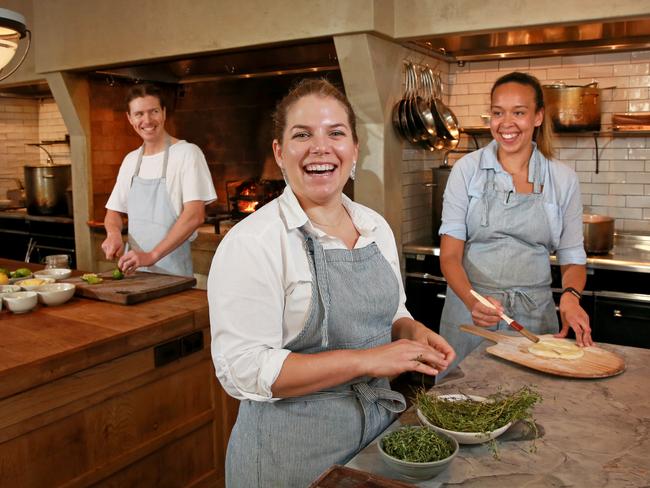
{"x": 596, "y": 362}
{"x": 135, "y": 288}
{"x": 342, "y": 477}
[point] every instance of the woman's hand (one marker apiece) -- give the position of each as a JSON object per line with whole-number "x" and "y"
{"x": 406, "y": 355}
{"x": 484, "y": 316}
{"x": 426, "y": 351}
{"x": 574, "y": 316}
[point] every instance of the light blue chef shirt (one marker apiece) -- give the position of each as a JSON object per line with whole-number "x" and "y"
{"x": 561, "y": 197}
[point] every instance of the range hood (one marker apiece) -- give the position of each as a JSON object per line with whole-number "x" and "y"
{"x": 307, "y": 57}
{"x": 555, "y": 40}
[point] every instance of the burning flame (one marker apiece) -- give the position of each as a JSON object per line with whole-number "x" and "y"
{"x": 246, "y": 206}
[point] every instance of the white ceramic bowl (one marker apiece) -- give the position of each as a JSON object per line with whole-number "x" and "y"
{"x": 4, "y": 289}
{"x": 421, "y": 471}
{"x": 20, "y": 301}
{"x": 465, "y": 437}
{"x": 13, "y": 281}
{"x": 56, "y": 293}
{"x": 31, "y": 284}
{"x": 55, "y": 273}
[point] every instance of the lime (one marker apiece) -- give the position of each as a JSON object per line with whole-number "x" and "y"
{"x": 22, "y": 272}
{"x": 117, "y": 274}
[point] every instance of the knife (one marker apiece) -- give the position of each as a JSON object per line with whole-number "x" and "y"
{"x": 512, "y": 323}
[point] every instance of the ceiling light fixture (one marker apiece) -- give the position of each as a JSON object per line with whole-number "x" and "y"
{"x": 12, "y": 30}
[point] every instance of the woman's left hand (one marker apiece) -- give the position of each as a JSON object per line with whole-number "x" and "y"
{"x": 406, "y": 328}
{"x": 574, "y": 316}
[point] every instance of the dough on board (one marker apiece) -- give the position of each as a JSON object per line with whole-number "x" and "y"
{"x": 556, "y": 348}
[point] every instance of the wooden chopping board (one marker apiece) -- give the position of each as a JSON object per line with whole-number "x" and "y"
{"x": 134, "y": 288}
{"x": 343, "y": 477}
{"x": 596, "y": 362}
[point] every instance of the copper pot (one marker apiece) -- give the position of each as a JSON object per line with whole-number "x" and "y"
{"x": 573, "y": 108}
{"x": 598, "y": 232}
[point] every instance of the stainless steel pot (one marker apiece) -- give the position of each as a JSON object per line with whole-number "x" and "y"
{"x": 598, "y": 231}
{"x": 573, "y": 108}
{"x": 45, "y": 188}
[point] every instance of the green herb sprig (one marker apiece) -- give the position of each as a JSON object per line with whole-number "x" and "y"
{"x": 474, "y": 416}
{"x": 417, "y": 445}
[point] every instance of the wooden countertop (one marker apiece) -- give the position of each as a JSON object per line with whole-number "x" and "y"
{"x": 50, "y": 342}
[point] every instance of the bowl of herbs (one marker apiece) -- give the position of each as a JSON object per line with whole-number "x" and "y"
{"x": 472, "y": 419}
{"x": 417, "y": 451}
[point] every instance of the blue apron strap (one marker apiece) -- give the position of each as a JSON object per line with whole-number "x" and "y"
{"x": 489, "y": 186}
{"x": 388, "y": 399}
{"x": 316, "y": 253}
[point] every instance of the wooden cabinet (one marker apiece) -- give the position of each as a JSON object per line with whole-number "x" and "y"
{"x": 111, "y": 414}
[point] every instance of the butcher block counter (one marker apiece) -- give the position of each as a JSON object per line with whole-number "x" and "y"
{"x": 94, "y": 392}
{"x": 592, "y": 432}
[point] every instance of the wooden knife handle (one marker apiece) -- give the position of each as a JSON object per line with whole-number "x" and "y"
{"x": 486, "y": 334}
{"x": 525, "y": 332}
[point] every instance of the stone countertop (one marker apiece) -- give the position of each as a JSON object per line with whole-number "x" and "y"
{"x": 630, "y": 253}
{"x": 592, "y": 432}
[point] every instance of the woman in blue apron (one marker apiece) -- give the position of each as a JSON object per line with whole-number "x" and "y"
{"x": 307, "y": 309}
{"x": 506, "y": 207}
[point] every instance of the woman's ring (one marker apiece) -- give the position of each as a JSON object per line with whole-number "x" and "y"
{"x": 418, "y": 358}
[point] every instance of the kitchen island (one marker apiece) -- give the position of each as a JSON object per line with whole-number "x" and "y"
{"x": 591, "y": 432}
{"x": 94, "y": 392}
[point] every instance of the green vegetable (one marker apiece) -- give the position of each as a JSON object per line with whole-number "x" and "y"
{"x": 417, "y": 445}
{"x": 474, "y": 416}
{"x": 91, "y": 278}
{"x": 4, "y": 271}
{"x": 117, "y": 274}
{"x": 20, "y": 273}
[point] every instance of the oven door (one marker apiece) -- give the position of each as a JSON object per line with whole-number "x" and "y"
{"x": 622, "y": 318}
{"x": 425, "y": 297}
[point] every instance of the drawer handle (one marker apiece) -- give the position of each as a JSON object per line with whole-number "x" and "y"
{"x": 442, "y": 296}
{"x": 177, "y": 348}
{"x": 617, "y": 313}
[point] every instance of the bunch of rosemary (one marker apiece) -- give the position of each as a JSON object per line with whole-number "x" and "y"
{"x": 417, "y": 445}
{"x": 474, "y": 416}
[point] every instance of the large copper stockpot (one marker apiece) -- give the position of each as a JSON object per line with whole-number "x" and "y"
{"x": 573, "y": 108}
{"x": 598, "y": 231}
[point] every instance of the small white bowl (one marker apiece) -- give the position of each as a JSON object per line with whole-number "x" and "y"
{"x": 4, "y": 289}
{"x": 9, "y": 289}
{"x": 56, "y": 293}
{"x": 421, "y": 471}
{"x": 28, "y": 284}
{"x": 55, "y": 273}
{"x": 20, "y": 301}
{"x": 465, "y": 437}
{"x": 13, "y": 281}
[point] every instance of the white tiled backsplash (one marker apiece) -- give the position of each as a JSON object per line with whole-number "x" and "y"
{"x": 621, "y": 189}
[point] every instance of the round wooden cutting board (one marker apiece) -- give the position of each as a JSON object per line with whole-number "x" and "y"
{"x": 595, "y": 363}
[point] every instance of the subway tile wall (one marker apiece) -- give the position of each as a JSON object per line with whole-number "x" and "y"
{"x": 52, "y": 128}
{"x": 18, "y": 127}
{"x": 621, "y": 187}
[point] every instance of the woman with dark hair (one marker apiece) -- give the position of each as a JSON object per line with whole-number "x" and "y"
{"x": 506, "y": 207}
{"x": 307, "y": 308}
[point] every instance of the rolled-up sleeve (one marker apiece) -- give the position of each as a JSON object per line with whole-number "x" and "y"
{"x": 456, "y": 200}
{"x": 246, "y": 297}
{"x": 571, "y": 248}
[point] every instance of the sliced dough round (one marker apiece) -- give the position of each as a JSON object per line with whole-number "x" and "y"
{"x": 556, "y": 348}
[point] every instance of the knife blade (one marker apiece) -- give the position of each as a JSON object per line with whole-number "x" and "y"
{"x": 511, "y": 322}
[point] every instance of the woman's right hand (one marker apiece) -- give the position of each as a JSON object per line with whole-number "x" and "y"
{"x": 401, "y": 356}
{"x": 484, "y": 316}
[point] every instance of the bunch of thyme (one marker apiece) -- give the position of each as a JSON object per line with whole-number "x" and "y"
{"x": 475, "y": 416}
{"x": 417, "y": 445}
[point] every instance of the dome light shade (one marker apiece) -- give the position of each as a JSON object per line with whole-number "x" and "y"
{"x": 12, "y": 30}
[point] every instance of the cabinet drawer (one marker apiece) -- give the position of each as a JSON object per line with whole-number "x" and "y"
{"x": 621, "y": 322}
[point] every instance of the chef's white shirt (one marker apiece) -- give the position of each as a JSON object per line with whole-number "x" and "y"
{"x": 259, "y": 289}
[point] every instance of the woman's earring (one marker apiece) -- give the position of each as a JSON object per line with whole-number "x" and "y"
{"x": 353, "y": 172}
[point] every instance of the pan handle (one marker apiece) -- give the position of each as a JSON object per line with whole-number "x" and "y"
{"x": 486, "y": 334}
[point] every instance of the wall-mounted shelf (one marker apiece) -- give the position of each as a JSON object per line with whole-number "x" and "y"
{"x": 475, "y": 131}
